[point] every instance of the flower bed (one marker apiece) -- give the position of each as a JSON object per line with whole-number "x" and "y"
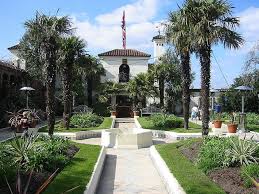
{"x": 167, "y": 123}
{"x": 34, "y": 160}
{"x": 227, "y": 161}
{"x": 106, "y": 124}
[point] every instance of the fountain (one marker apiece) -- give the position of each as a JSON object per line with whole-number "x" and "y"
{"x": 133, "y": 138}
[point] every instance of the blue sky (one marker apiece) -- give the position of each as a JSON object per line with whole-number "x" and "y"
{"x": 98, "y": 22}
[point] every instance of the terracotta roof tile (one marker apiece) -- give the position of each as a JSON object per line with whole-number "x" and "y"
{"x": 125, "y": 52}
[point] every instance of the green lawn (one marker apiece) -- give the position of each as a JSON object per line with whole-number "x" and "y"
{"x": 254, "y": 128}
{"x": 77, "y": 173}
{"x": 106, "y": 124}
{"x": 147, "y": 123}
{"x": 193, "y": 180}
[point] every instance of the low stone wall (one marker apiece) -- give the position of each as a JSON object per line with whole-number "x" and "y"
{"x": 137, "y": 123}
{"x": 172, "y": 185}
{"x": 113, "y": 122}
{"x": 94, "y": 180}
{"x": 87, "y": 134}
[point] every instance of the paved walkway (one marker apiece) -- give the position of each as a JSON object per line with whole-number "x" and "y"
{"x": 6, "y": 134}
{"x": 130, "y": 172}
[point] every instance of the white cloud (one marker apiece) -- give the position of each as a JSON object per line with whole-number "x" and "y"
{"x": 105, "y": 33}
{"x": 249, "y": 29}
{"x": 249, "y": 23}
{"x": 140, "y": 11}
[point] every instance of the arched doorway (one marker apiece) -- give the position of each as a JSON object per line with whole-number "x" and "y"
{"x": 124, "y": 73}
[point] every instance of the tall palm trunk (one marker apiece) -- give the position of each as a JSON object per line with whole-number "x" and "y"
{"x": 186, "y": 81}
{"x": 50, "y": 87}
{"x": 90, "y": 91}
{"x": 67, "y": 79}
{"x": 205, "y": 53}
{"x": 161, "y": 91}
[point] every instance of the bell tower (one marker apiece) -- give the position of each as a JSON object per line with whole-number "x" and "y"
{"x": 159, "y": 46}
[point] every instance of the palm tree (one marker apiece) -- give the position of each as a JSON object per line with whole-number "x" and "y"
{"x": 39, "y": 47}
{"x": 90, "y": 69}
{"x": 72, "y": 48}
{"x": 140, "y": 87}
{"x": 210, "y": 22}
{"x": 179, "y": 35}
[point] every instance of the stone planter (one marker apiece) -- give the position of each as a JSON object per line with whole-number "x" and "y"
{"x": 113, "y": 113}
{"x": 136, "y": 113}
{"x": 217, "y": 123}
{"x": 33, "y": 123}
{"x": 232, "y": 128}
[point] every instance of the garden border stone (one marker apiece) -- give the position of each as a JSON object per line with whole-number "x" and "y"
{"x": 171, "y": 183}
{"x": 94, "y": 180}
{"x": 137, "y": 122}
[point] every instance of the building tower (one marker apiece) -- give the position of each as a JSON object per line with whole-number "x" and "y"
{"x": 159, "y": 46}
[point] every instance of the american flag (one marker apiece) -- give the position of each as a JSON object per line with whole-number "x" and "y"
{"x": 123, "y": 26}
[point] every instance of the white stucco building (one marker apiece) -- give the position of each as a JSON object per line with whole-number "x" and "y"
{"x": 121, "y": 65}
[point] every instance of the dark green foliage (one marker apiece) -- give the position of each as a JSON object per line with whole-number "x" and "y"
{"x": 147, "y": 123}
{"x": 229, "y": 100}
{"x": 50, "y": 155}
{"x": 101, "y": 109}
{"x": 43, "y": 153}
{"x": 252, "y": 170}
{"x": 252, "y": 118}
{"x": 7, "y": 167}
{"x": 166, "y": 121}
{"x": 213, "y": 153}
{"x": 86, "y": 120}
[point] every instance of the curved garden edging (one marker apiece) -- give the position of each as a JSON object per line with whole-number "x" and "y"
{"x": 172, "y": 185}
{"x": 92, "y": 185}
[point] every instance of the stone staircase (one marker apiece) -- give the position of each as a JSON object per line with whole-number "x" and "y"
{"x": 124, "y": 123}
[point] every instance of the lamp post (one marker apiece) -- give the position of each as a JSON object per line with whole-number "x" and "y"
{"x": 243, "y": 89}
{"x": 27, "y": 89}
{"x": 212, "y": 93}
{"x": 242, "y": 115}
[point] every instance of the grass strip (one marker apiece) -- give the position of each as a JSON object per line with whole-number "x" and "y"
{"x": 192, "y": 179}
{"x": 147, "y": 123}
{"x": 77, "y": 173}
{"x": 106, "y": 124}
{"x": 252, "y": 127}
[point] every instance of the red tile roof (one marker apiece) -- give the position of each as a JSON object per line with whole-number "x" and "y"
{"x": 125, "y": 52}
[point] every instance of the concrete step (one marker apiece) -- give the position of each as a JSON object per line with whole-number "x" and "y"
{"x": 124, "y": 120}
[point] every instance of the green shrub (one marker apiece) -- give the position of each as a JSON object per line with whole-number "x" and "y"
{"x": 101, "y": 109}
{"x": 212, "y": 153}
{"x": 86, "y": 120}
{"x": 242, "y": 152}
{"x": 50, "y": 154}
{"x": 7, "y": 166}
{"x": 251, "y": 170}
{"x": 252, "y": 118}
{"x": 166, "y": 121}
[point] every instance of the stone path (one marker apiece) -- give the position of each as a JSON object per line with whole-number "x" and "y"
{"x": 130, "y": 172}
{"x": 6, "y": 134}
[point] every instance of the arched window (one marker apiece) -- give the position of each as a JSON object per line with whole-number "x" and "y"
{"x": 124, "y": 73}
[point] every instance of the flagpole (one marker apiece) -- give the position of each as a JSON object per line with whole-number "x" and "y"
{"x": 123, "y": 27}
